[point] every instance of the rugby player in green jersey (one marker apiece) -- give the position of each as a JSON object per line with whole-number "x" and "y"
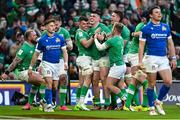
{"x": 117, "y": 16}
{"x": 21, "y": 63}
{"x": 138, "y": 77}
{"x": 115, "y": 46}
{"x": 84, "y": 62}
{"x": 133, "y": 60}
{"x": 100, "y": 59}
{"x": 63, "y": 73}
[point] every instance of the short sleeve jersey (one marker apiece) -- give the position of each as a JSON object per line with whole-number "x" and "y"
{"x": 79, "y": 36}
{"x": 63, "y": 32}
{"x": 51, "y": 47}
{"x": 96, "y": 54}
{"x": 156, "y": 37}
{"x": 134, "y": 47}
{"x": 25, "y": 53}
{"x": 115, "y": 45}
{"x": 125, "y": 35}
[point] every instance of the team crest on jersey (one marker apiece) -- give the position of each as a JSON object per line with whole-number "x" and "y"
{"x": 164, "y": 28}
{"x": 80, "y": 34}
{"x": 57, "y": 40}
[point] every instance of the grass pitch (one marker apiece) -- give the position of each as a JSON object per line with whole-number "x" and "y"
{"x": 15, "y": 112}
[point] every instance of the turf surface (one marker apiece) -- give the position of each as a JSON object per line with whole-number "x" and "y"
{"x": 172, "y": 112}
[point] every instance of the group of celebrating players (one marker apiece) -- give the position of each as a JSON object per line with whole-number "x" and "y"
{"x": 106, "y": 55}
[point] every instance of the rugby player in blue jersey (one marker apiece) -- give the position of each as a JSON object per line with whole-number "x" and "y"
{"x": 157, "y": 38}
{"x": 52, "y": 45}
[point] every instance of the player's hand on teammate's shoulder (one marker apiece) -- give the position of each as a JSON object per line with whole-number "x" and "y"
{"x": 100, "y": 36}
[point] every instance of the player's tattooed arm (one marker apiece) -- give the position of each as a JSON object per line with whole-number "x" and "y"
{"x": 69, "y": 44}
{"x": 13, "y": 65}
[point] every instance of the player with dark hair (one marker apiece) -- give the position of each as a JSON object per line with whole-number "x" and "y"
{"x": 157, "y": 38}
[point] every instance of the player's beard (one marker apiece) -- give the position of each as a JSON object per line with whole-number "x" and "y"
{"x": 33, "y": 42}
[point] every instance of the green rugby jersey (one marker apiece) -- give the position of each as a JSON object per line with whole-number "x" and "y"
{"x": 96, "y": 54}
{"x": 25, "y": 53}
{"x": 134, "y": 48}
{"x": 116, "y": 46}
{"x": 82, "y": 35}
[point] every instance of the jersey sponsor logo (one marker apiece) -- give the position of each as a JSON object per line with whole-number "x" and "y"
{"x": 52, "y": 47}
{"x": 157, "y": 35}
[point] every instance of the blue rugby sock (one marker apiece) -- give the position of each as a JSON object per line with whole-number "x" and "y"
{"x": 150, "y": 95}
{"x": 48, "y": 96}
{"x": 163, "y": 91}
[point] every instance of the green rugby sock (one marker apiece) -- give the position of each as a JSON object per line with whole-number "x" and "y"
{"x": 84, "y": 90}
{"x": 78, "y": 92}
{"x": 42, "y": 91}
{"x": 97, "y": 101}
{"x": 62, "y": 95}
{"x": 131, "y": 91}
{"x": 136, "y": 97}
{"x": 32, "y": 93}
{"x": 145, "y": 84}
{"x": 107, "y": 102}
{"x": 113, "y": 99}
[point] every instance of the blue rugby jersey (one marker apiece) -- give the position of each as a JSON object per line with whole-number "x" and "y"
{"x": 51, "y": 47}
{"x": 156, "y": 37}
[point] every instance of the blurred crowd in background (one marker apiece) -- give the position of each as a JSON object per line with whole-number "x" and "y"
{"x": 16, "y": 16}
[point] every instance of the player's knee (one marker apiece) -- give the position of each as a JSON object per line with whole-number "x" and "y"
{"x": 168, "y": 82}
{"x": 63, "y": 80}
{"x": 151, "y": 84}
{"x": 87, "y": 71}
